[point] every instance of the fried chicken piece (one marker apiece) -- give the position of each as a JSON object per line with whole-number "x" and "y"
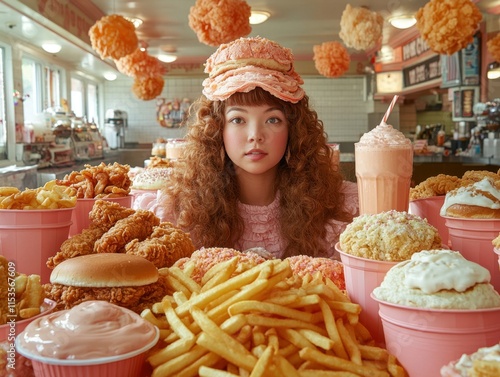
{"x": 134, "y": 298}
{"x": 166, "y": 245}
{"x": 79, "y": 244}
{"x": 105, "y": 213}
{"x": 472, "y": 176}
{"x": 139, "y": 225}
{"x": 434, "y": 186}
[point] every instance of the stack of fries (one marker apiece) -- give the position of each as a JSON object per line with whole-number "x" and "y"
{"x": 50, "y": 196}
{"x": 28, "y": 290}
{"x": 263, "y": 321}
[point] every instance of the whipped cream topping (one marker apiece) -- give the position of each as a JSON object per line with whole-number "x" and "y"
{"x": 92, "y": 329}
{"x": 385, "y": 135}
{"x": 473, "y": 195}
{"x": 434, "y": 270}
{"x": 464, "y": 364}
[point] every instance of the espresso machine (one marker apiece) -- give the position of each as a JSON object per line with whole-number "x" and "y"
{"x": 115, "y": 127}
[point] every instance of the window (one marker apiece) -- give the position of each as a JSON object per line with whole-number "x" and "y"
{"x": 77, "y": 96}
{"x": 43, "y": 85}
{"x": 3, "y": 121}
{"x": 92, "y": 101}
{"x": 84, "y": 99}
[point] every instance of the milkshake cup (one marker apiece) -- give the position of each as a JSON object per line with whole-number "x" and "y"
{"x": 384, "y": 167}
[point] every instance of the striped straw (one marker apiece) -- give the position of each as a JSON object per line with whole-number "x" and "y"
{"x": 389, "y": 110}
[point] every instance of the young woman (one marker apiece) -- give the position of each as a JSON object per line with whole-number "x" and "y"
{"x": 256, "y": 169}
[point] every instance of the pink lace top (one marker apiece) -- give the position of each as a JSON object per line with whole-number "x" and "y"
{"x": 262, "y": 225}
{"x": 261, "y": 222}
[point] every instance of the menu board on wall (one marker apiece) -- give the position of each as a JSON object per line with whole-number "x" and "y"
{"x": 463, "y": 67}
{"x": 471, "y": 62}
{"x": 422, "y": 72}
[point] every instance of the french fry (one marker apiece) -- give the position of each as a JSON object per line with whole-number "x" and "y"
{"x": 269, "y": 308}
{"x": 175, "y": 322}
{"x": 263, "y": 363}
{"x": 173, "y": 366}
{"x": 235, "y": 282}
{"x": 349, "y": 344}
{"x": 337, "y": 363}
{"x": 220, "y": 342}
{"x": 205, "y": 371}
{"x": 317, "y": 339}
{"x": 184, "y": 279}
{"x": 325, "y": 373}
{"x": 263, "y": 321}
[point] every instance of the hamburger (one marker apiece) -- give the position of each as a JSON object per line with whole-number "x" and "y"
{"x": 126, "y": 280}
{"x": 247, "y": 63}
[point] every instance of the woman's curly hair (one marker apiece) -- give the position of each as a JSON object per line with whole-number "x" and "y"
{"x": 204, "y": 189}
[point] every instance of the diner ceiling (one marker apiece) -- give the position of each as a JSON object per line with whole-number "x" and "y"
{"x": 296, "y": 24}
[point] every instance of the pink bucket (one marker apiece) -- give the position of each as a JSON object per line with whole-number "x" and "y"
{"x": 429, "y": 209}
{"x": 362, "y": 276}
{"x": 424, "y": 340}
{"x": 472, "y": 238}
{"x": 84, "y": 206}
{"x": 29, "y": 237}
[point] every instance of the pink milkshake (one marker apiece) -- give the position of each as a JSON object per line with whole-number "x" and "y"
{"x": 384, "y": 166}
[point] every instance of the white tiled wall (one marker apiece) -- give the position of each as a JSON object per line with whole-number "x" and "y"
{"x": 340, "y": 103}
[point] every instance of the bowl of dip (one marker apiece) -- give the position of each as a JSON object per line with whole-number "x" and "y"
{"x": 92, "y": 339}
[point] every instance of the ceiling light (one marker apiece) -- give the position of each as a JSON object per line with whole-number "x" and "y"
{"x": 403, "y": 21}
{"x": 167, "y": 58}
{"x": 493, "y": 70}
{"x": 51, "y": 47}
{"x": 258, "y": 17}
{"x": 135, "y": 20}
{"x": 110, "y": 76}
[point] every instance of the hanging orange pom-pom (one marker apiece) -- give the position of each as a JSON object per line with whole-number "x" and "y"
{"x": 148, "y": 87}
{"x": 331, "y": 59}
{"x": 448, "y": 25}
{"x": 360, "y": 28}
{"x": 140, "y": 63}
{"x": 220, "y": 21}
{"x": 494, "y": 47}
{"x": 113, "y": 37}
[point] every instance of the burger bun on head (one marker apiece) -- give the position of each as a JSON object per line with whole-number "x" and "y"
{"x": 105, "y": 270}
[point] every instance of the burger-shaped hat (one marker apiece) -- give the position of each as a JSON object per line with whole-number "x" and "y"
{"x": 247, "y": 63}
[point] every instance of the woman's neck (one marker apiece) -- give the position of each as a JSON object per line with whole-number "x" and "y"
{"x": 257, "y": 190}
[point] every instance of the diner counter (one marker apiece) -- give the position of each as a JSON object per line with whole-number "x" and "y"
{"x": 424, "y": 166}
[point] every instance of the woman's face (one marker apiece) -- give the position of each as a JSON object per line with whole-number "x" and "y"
{"x": 255, "y": 137}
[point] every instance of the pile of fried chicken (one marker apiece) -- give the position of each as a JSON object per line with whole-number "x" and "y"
{"x": 117, "y": 229}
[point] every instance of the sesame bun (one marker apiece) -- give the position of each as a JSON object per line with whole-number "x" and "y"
{"x": 247, "y": 63}
{"x": 105, "y": 270}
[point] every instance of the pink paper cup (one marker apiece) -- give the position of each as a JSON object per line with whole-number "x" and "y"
{"x": 83, "y": 207}
{"x": 130, "y": 364}
{"x": 30, "y": 237}
{"x": 472, "y": 238}
{"x": 429, "y": 209}
{"x": 424, "y": 340}
{"x": 362, "y": 276}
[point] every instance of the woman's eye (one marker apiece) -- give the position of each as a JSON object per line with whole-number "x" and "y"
{"x": 236, "y": 120}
